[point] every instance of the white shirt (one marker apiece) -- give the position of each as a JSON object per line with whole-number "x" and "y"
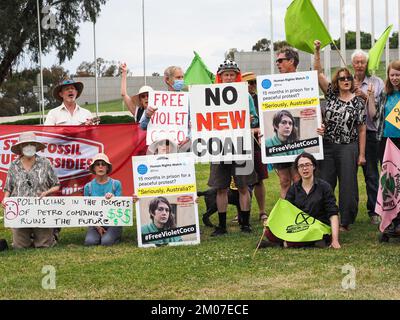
{"x": 60, "y": 116}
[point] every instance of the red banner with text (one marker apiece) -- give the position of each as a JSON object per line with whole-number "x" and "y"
{"x": 71, "y": 148}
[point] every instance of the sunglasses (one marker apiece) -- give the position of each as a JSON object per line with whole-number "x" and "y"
{"x": 348, "y": 78}
{"x": 280, "y": 60}
{"x": 100, "y": 163}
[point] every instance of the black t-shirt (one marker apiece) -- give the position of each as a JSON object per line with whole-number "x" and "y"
{"x": 320, "y": 203}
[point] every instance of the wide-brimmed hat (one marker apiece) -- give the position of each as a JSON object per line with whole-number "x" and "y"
{"x": 143, "y": 89}
{"x": 78, "y": 86}
{"x": 248, "y": 76}
{"x": 153, "y": 147}
{"x": 24, "y": 139}
{"x": 103, "y": 157}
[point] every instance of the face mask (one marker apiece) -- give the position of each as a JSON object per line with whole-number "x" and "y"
{"x": 178, "y": 85}
{"x": 29, "y": 151}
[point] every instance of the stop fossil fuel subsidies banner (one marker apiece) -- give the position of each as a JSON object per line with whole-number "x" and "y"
{"x": 70, "y": 150}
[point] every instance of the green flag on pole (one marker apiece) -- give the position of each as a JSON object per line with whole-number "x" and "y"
{"x": 376, "y": 51}
{"x": 303, "y": 25}
{"x": 198, "y": 73}
{"x": 289, "y": 223}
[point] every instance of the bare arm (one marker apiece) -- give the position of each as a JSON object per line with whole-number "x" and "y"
{"x": 322, "y": 80}
{"x": 6, "y": 195}
{"x": 50, "y": 191}
{"x": 362, "y": 138}
{"x": 335, "y": 231}
{"x": 127, "y": 99}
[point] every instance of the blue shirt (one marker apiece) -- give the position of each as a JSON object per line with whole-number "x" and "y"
{"x": 99, "y": 190}
{"x": 389, "y": 130}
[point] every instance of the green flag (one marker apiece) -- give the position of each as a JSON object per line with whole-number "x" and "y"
{"x": 198, "y": 73}
{"x": 303, "y": 25}
{"x": 289, "y": 223}
{"x": 376, "y": 51}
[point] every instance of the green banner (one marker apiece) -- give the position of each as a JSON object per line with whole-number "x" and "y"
{"x": 303, "y": 25}
{"x": 198, "y": 73}
{"x": 289, "y": 223}
{"x": 376, "y": 51}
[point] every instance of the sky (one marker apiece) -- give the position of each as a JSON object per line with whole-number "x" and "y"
{"x": 174, "y": 28}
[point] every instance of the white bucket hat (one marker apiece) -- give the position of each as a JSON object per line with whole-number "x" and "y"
{"x": 103, "y": 157}
{"x": 26, "y": 138}
{"x": 143, "y": 89}
{"x": 153, "y": 147}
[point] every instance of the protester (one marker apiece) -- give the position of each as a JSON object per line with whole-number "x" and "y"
{"x": 162, "y": 146}
{"x": 162, "y": 219}
{"x": 173, "y": 78}
{"x": 102, "y": 186}
{"x": 285, "y": 132}
{"x": 344, "y": 139}
{"x": 313, "y": 196}
{"x": 138, "y": 103}
{"x": 69, "y": 112}
{"x": 365, "y": 84}
{"x": 287, "y": 61}
{"x": 221, "y": 173}
{"x": 388, "y": 100}
{"x": 30, "y": 176}
{"x": 261, "y": 168}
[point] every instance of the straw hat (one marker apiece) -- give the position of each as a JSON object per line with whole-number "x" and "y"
{"x": 248, "y": 76}
{"x": 56, "y": 91}
{"x": 103, "y": 157}
{"x": 26, "y": 138}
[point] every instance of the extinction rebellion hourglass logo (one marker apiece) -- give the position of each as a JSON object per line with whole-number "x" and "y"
{"x": 390, "y": 186}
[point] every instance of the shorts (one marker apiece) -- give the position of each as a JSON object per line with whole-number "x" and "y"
{"x": 221, "y": 173}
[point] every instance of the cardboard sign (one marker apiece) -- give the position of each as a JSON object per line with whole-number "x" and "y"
{"x": 166, "y": 212}
{"x": 61, "y": 212}
{"x": 171, "y": 120}
{"x": 220, "y": 119}
{"x": 289, "y": 116}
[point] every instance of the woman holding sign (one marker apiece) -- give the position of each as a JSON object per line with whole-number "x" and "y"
{"x": 30, "y": 176}
{"x": 344, "y": 139}
{"x": 102, "y": 186}
{"x": 314, "y": 197}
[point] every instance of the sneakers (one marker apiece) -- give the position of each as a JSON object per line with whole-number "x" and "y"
{"x": 246, "y": 229}
{"x": 375, "y": 219}
{"x": 218, "y": 232}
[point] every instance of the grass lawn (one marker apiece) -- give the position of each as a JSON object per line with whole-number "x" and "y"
{"x": 218, "y": 268}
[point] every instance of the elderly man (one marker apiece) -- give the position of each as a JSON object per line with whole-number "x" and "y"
{"x": 287, "y": 61}
{"x": 69, "y": 112}
{"x": 173, "y": 78}
{"x": 363, "y": 83}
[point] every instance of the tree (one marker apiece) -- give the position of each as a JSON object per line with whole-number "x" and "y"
{"x": 280, "y": 44}
{"x": 155, "y": 74}
{"x": 351, "y": 40}
{"x": 18, "y": 92}
{"x": 394, "y": 41}
{"x": 230, "y": 54}
{"x": 262, "y": 45}
{"x": 104, "y": 69}
{"x": 19, "y": 32}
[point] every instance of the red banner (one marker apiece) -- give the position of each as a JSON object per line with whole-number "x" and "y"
{"x": 71, "y": 148}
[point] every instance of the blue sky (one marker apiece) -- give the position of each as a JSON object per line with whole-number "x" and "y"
{"x": 175, "y": 28}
